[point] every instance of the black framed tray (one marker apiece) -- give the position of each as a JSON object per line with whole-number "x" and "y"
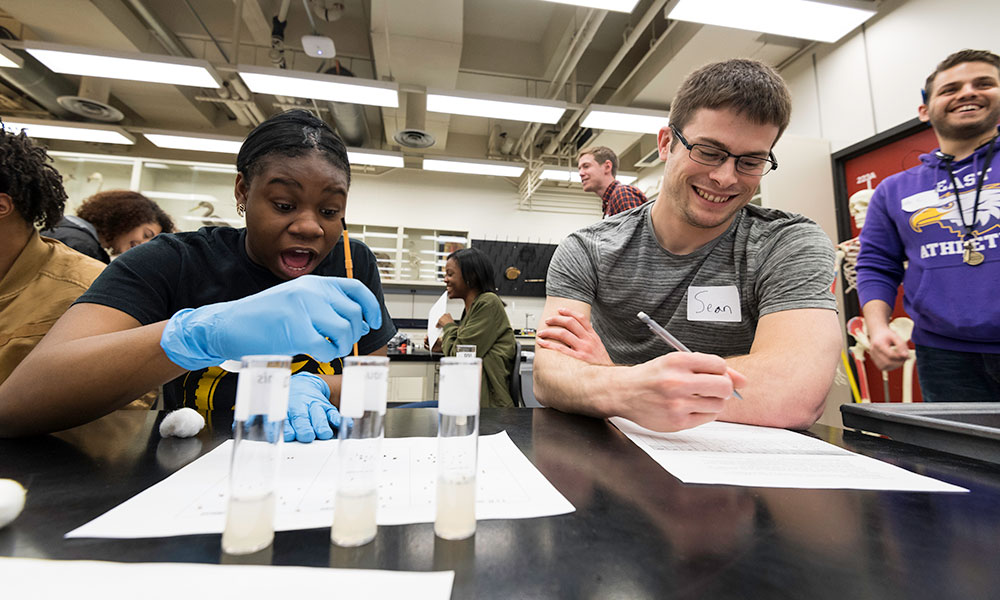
{"x": 969, "y": 429}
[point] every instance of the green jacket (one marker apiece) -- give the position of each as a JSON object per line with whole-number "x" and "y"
{"x": 486, "y": 325}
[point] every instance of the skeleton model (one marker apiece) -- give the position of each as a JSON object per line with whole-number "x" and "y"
{"x": 847, "y": 251}
{"x": 847, "y": 260}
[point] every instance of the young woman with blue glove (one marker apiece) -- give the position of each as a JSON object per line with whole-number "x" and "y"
{"x": 172, "y": 310}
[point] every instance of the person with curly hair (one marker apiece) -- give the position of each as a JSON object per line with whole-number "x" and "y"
{"x": 115, "y": 220}
{"x": 39, "y": 277}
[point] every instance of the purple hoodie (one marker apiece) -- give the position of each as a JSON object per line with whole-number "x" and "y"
{"x": 913, "y": 216}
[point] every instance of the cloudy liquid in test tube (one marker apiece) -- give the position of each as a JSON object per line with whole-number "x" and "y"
{"x": 458, "y": 444}
{"x": 249, "y": 524}
{"x": 354, "y": 519}
{"x": 259, "y": 420}
{"x": 363, "y": 391}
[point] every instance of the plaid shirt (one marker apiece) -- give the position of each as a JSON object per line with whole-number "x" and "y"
{"x": 620, "y": 197}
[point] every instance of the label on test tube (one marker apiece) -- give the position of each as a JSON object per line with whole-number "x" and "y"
{"x": 363, "y": 388}
{"x": 262, "y": 391}
{"x": 459, "y": 389}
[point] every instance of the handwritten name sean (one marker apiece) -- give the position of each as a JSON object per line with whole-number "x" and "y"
{"x": 708, "y": 307}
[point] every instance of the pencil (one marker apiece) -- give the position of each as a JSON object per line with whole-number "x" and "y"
{"x": 667, "y": 337}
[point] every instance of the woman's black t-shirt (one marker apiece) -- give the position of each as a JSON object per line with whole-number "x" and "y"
{"x": 154, "y": 280}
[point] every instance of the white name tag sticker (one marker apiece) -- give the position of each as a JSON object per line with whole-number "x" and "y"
{"x": 714, "y": 303}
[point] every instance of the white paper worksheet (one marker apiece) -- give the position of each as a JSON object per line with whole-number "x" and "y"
{"x": 433, "y": 315}
{"x": 193, "y": 500}
{"x": 34, "y": 578}
{"x": 734, "y": 454}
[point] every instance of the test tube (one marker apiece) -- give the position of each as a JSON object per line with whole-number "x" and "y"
{"x": 458, "y": 439}
{"x": 259, "y": 420}
{"x": 363, "y": 390}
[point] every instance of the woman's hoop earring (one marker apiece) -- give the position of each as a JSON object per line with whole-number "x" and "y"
{"x": 241, "y": 210}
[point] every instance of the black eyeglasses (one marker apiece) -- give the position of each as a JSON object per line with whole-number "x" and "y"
{"x": 713, "y": 157}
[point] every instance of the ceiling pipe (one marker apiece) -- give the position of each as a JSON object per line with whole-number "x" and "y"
{"x": 174, "y": 46}
{"x": 237, "y": 31}
{"x": 244, "y": 94}
{"x": 578, "y": 45}
{"x": 630, "y": 41}
{"x": 277, "y": 52}
{"x": 39, "y": 84}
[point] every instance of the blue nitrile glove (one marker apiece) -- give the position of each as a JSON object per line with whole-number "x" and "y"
{"x": 310, "y": 413}
{"x": 319, "y": 316}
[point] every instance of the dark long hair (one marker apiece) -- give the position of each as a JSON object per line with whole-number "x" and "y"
{"x": 476, "y": 268}
{"x": 292, "y": 133}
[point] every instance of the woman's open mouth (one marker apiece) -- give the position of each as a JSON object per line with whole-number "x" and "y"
{"x": 296, "y": 261}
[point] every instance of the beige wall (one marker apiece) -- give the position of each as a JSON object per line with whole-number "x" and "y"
{"x": 803, "y": 184}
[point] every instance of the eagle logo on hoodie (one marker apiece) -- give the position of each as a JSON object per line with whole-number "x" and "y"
{"x": 930, "y": 209}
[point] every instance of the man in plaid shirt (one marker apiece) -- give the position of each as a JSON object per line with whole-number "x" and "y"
{"x": 598, "y": 168}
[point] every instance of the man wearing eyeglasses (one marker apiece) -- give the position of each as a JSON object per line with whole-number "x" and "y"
{"x": 747, "y": 289}
{"x": 598, "y": 169}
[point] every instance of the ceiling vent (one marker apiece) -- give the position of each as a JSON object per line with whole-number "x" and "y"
{"x": 652, "y": 158}
{"x": 414, "y": 135}
{"x": 90, "y": 109}
{"x": 91, "y": 102}
{"x": 414, "y": 138}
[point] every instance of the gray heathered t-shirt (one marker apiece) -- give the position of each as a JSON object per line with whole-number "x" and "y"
{"x": 776, "y": 260}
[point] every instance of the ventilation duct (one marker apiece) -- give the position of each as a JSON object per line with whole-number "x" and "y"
{"x": 414, "y": 135}
{"x": 41, "y": 85}
{"x": 91, "y": 101}
{"x": 650, "y": 159}
{"x": 349, "y": 119}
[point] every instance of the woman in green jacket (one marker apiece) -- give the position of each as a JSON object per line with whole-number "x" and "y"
{"x": 468, "y": 275}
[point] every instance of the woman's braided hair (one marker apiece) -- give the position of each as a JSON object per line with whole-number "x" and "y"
{"x": 32, "y": 183}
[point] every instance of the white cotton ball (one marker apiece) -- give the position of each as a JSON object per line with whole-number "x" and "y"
{"x": 182, "y": 423}
{"x": 11, "y": 500}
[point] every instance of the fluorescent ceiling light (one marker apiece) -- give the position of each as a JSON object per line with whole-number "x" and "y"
{"x": 213, "y": 143}
{"x": 75, "y": 132}
{"x": 10, "y": 59}
{"x": 228, "y": 169}
{"x": 179, "y": 196}
{"x": 445, "y": 238}
{"x": 300, "y": 84}
{"x": 151, "y": 68}
{"x": 375, "y": 158}
{"x": 214, "y": 218}
{"x": 513, "y": 108}
{"x": 805, "y": 19}
{"x": 574, "y": 176}
{"x": 474, "y": 167}
{"x": 615, "y": 5}
{"x": 617, "y": 118}
{"x": 89, "y": 158}
{"x": 560, "y": 175}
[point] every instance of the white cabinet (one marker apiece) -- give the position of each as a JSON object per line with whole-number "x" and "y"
{"x": 409, "y": 255}
{"x": 412, "y": 381}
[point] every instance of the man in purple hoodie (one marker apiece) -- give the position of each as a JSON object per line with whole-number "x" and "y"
{"x": 943, "y": 216}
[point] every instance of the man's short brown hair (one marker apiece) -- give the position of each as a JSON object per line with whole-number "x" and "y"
{"x": 962, "y": 56}
{"x": 747, "y": 87}
{"x": 601, "y": 154}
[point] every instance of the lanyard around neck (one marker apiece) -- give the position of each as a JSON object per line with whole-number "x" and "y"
{"x": 979, "y": 188}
